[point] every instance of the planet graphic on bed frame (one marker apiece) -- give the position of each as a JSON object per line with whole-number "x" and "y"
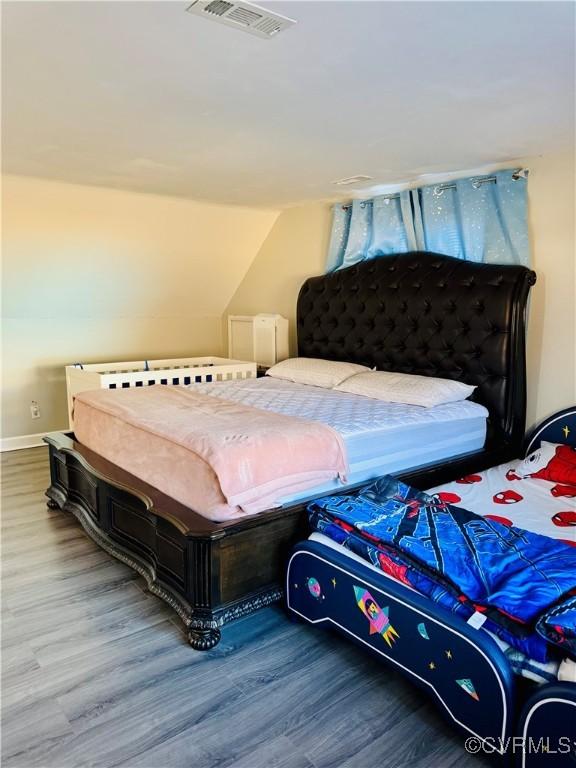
{"x": 422, "y": 631}
{"x": 314, "y": 588}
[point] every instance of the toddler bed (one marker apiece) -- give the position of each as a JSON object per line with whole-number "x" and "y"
{"x": 492, "y": 684}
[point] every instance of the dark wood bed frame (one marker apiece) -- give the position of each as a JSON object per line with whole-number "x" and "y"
{"x": 419, "y": 313}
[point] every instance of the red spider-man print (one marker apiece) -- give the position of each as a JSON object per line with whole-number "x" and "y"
{"x": 469, "y": 479}
{"x": 568, "y": 491}
{"x": 564, "y": 519}
{"x": 394, "y": 569}
{"x": 511, "y": 475}
{"x": 448, "y": 498}
{"x": 497, "y": 519}
{"x": 507, "y": 497}
{"x": 560, "y": 469}
{"x": 414, "y": 508}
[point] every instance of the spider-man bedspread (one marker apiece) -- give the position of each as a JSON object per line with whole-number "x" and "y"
{"x": 537, "y": 493}
{"x": 523, "y": 583}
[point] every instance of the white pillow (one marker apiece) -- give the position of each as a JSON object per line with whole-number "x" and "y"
{"x": 318, "y": 373}
{"x": 406, "y": 388}
{"x": 537, "y": 460}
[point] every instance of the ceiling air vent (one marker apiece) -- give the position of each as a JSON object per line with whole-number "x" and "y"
{"x": 246, "y": 16}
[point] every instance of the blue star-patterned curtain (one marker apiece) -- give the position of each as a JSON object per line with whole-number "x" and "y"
{"x": 483, "y": 218}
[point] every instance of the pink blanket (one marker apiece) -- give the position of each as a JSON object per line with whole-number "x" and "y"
{"x": 256, "y": 457}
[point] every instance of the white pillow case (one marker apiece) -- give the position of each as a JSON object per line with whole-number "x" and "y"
{"x": 318, "y": 373}
{"x": 537, "y": 460}
{"x": 406, "y": 388}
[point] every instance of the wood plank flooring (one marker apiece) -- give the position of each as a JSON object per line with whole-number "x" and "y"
{"x": 97, "y": 672}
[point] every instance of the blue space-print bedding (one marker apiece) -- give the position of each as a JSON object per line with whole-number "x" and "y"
{"x": 523, "y": 583}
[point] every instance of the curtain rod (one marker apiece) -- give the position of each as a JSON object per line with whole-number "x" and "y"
{"x": 476, "y": 181}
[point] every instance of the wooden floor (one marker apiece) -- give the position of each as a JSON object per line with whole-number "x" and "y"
{"x": 96, "y": 672}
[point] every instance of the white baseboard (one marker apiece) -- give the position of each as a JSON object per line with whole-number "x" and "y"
{"x": 23, "y": 441}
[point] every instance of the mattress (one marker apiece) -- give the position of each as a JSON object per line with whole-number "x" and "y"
{"x": 380, "y": 438}
{"x": 219, "y": 458}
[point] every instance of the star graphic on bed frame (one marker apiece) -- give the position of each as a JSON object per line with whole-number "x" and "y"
{"x": 566, "y": 431}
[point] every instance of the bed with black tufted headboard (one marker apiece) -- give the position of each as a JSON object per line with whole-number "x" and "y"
{"x": 418, "y": 313}
{"x": 431, "y": 315}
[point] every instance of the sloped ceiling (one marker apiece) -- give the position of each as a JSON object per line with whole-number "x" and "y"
{"x": 143, "y": 96}
{"x": 87, "y": 253}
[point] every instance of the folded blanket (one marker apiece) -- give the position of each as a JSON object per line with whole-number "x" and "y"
{"x": 461, "y": 560}
{"x": 256, "y": 456}
{"x": 558, "y": 625}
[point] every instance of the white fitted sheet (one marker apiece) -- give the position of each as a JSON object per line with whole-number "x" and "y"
{"x": 380, "y": 437}
{"x": 527, "y": 503}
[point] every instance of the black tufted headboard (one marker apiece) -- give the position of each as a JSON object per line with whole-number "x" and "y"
{"x": 431, "y": 315}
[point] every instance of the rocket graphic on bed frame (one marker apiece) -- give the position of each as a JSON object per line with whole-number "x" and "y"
{"x": 378, "y": 617}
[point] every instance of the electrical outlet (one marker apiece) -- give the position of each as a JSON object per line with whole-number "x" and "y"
{"x": 34, "y": 410}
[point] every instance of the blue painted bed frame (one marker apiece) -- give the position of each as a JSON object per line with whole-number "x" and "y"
{"x": 460, "y": 667}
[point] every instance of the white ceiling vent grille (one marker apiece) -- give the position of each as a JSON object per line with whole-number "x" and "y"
{"x": 246, "y": 16}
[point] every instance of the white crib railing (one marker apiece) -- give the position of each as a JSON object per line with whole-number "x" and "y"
{"x": 145, "y": 373}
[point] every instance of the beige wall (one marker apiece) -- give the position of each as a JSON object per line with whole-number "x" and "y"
{"x": 296, "y": 248}
{"x": 93, "y": 274}
{"x": 552, "y": 326}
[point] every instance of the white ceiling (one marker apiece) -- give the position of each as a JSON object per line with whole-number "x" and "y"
{"x": 143, "y": 96}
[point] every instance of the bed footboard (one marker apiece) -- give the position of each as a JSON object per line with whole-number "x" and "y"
{"x": 209, "y": 573}
{"x": 463, "y": 669}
